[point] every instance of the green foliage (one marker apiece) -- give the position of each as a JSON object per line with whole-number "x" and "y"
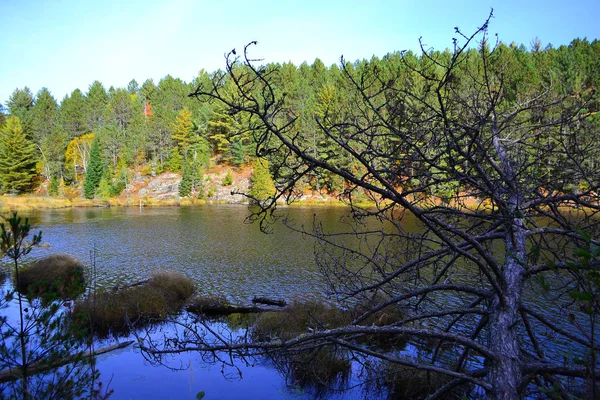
{"x": 185, "y": 185}
{"x": 94, "y": 171}
{"x": 53, "y": 188}
{"x": 18, "y": 157}
{"x": 103, "y": 190}
{"x": 262, "y": 185}
{"x": 228, "y": 179}
{"x": 176, "y": 161}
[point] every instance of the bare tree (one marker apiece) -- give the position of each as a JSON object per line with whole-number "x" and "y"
{"x": 499, "y": 183}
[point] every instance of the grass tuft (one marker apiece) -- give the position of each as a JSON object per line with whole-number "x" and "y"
{"x": 114, "y": 312}
{"x": 57, "y": 275}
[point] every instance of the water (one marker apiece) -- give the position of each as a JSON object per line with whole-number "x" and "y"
{"x": 210, "y": 244}
{"x": 224, "y": 255}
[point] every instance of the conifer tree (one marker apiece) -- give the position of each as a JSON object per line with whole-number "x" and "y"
{"x": 18, "y": 157}
{"x": 185, "y": 185}
{"x": 176, "y": 161}
{"x": 20, "y": 104}
{"x": 53, "y": 189}
{"x": 262, "y": 185}
{"x": 94, "y": 171}
{"x": 183, "y": 129}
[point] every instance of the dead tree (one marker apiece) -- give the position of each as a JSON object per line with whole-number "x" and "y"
{"x": 497, "y": 183}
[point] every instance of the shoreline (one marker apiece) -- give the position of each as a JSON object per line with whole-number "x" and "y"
{"x": 37, "y": 203}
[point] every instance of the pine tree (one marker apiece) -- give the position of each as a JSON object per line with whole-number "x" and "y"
{"x": 262, "y": 185}
{"x": 94, "y": 171}
{"x": 18, "y": 158}
{"x": 20, "y": 104}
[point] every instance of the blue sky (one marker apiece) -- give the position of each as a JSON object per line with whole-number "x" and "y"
{"x": 64, "y": 44}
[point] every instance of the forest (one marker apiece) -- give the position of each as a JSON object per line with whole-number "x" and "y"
{"x": 155, "y": 127}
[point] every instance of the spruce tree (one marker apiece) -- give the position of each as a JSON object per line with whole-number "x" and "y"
{"x": 94, "y": 172}
{"x": 18, "y": 157}
{"x": 185, "y": 185}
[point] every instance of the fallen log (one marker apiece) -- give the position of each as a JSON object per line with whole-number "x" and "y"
{"x": 226, "y": 309}
{"x": 269, "y": 302}
{"x": 12, "y": 374}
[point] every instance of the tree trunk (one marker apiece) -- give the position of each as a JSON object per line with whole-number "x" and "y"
{"x": 505, "y": 372}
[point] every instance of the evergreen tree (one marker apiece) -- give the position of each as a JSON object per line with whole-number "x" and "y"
{"x": 44, "y": 126}
{"x": 72, "y": 114}
{"x": 94, "y": 171}
{"x": 53, "y": 189}
{"x": 44, "y": 115}
{"x": 18, "y": 157}
{"x": 97, "y": 99}
{"x": 176, "y": 161}
{"x": 103, "y": 191}
{"x": 262, "y": 185}
{"x": 183, "y": 129}
{"x": 19, "y": 105}
{"x": 185, "y": 185}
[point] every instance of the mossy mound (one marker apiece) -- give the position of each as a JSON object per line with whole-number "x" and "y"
{"x": 116, "y": 311}
{"x": 57, "y": 275}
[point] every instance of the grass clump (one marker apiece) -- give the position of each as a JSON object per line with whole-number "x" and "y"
{"x": 297, "y": 318}
{"x": 57, "y": 275}
{"x": 322, "y": 370}
{"x": 115, "y": 311}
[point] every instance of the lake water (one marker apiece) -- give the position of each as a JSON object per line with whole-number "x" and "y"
{"x": 224, "y": 255}
{"x": 213, "y": 245}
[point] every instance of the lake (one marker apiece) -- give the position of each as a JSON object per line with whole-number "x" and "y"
{"x": 214, "y": 246}
{"x": 224, "y": 255}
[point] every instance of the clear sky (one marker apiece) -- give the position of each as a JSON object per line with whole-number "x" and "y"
{"x": 64, "y": 44}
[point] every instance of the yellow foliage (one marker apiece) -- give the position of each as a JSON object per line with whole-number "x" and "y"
{"x": 78, "y": 152}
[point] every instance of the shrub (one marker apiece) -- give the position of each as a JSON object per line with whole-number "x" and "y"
{"x": 176, "y": 288}
{"x": 55, "y": 275}
{"x": 228, "y": 179}
{"x": 115, "y": 310}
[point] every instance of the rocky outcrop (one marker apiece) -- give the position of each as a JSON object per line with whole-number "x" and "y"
{"x": 162, "y": 187}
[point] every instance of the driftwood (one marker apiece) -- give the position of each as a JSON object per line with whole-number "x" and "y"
{"x": 12, "y": 374}
{"x": 269, "y": 302}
